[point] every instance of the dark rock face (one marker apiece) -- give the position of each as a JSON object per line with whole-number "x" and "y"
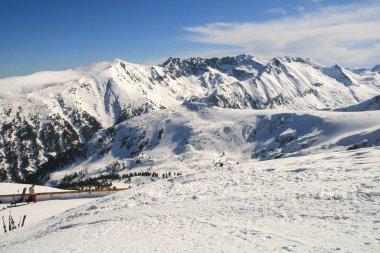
{"x": 197, "y": 66}
{"x": 32, "y": 146}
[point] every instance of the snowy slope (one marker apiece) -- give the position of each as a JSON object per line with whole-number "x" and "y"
{"x": 285, "y": 82}
{"x": 368, "y": 105}
{"x": 106, "y": 90}
{"x": 376, "y": 68}
{"x": 302, "y": 83}
{"x": 35, "y": 212}
{"x": 48, "y": 120}
{"x": 196, "y": 132}
{"x": 50, "y": 123}
{"x": 317, "y": 203}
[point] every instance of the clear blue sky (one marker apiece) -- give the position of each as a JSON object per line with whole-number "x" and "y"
{"x": 50, "y": 34}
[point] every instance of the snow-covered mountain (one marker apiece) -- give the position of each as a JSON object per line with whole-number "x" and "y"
{"x": 368, "y": 105}
{"x": 284, "y": 82}
{"x": 376, "y": 68}
{"x": 200, "y": 133}
{"x": 51, "y": 119}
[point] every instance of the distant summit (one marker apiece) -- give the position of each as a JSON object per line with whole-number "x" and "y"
{"x": 376, "y": 68}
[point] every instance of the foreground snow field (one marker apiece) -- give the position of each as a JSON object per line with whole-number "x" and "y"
{"x": 35, "y": 212}
{"x": 316, "y": 203}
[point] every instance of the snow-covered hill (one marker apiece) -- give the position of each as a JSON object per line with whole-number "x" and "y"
{"x": 368, "y": 105}
{"x": 35, "y": 212}
{"x": 319, "y": 203}
{"x": 198, "y": 132}
{"x": 49, "y": 120}
{"x": 376, "y": 68}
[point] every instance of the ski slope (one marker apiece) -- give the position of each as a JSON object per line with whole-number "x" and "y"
{"x": 327, "y": 202}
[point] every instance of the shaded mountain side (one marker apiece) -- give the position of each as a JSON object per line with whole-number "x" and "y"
{"x": 369, "y": 105}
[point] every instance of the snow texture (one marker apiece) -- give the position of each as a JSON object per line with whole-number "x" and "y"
{"x": 317, "y": 203}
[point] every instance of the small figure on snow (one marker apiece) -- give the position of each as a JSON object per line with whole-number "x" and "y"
{"x": 32, "y": 194}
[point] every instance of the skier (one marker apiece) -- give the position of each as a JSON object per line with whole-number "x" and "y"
{"x": 32, "y": 194}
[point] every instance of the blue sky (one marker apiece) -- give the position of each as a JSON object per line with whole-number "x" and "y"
{"x": 40, "y": 35}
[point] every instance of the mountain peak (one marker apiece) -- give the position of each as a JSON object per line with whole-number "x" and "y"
{"x": 340, "y": 74}
{"x": 376, "y": 68}
{"x": 240, "y": 66}
{"x": 118, "y": 61}
{"x": 291, "y": 59}
{"x": 242, "y": 58}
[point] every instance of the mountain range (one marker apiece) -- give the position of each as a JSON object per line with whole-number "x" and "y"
{"x": 83, "y": 119}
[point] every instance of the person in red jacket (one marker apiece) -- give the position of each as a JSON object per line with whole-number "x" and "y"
{"x": 32, "y": 194}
